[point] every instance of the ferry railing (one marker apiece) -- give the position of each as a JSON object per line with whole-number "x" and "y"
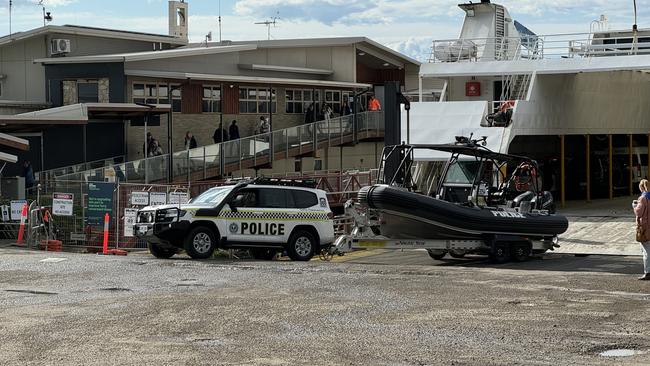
{"x": 251, "y": 152}
{"x": 555, "y": 46}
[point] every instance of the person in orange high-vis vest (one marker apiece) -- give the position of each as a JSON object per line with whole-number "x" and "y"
{"x": 373, "y": 104}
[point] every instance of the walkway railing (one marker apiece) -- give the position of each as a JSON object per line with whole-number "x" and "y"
{"x": 554, "y": 46}
{"x": 47, "y": 175}
{"x": 246, "y": 153}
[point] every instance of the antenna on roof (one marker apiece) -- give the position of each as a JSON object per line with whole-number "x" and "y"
{"x": 10, "y": 5}
{"x": 268, "y": 24}
{"x": 208, "y": 39}
{"x": 47, "y": 17}
{"x": 220, "y": 21}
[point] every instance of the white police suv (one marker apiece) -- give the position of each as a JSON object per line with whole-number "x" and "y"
{"x": 264, "y": 215}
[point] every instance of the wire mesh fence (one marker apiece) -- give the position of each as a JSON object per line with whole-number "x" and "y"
{"x": 73, "y": 212}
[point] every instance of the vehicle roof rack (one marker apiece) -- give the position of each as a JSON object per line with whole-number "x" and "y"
{"x": 289, "y": 182}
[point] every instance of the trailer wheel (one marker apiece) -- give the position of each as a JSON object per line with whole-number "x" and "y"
{"x": 436, "y": 254}
{"x": 521, "y": 252}
{"x": 458, "y": 254}
{"x": 500, "y": 253}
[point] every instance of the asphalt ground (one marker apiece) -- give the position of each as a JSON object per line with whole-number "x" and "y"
{"x": 366, "y": 308}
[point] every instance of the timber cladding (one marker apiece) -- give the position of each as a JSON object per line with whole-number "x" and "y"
{"x": 192, "y": 98}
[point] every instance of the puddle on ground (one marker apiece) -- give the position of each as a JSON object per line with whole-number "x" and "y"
{"x": 53, "y": 260}
{"x": 117, "y": 289}
{"x": 33, "y": 292}
{"x": 620, "y": 352}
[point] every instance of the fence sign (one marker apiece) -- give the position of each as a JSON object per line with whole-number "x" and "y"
{"x": 77, "y": 237}
{"x": 100, "y": 202}
{"x": 129, "y": 220}
{"x": 157, "y": 198}
{"x": 62, "y": 204}
{"x": 17, "y": 209}
{"x": 140, "y": 198}
{"x": 5, "y": 213}
{"x": 176, "y": 198}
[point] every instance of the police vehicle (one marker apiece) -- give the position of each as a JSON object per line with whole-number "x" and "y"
{"x": 264, "y": 215}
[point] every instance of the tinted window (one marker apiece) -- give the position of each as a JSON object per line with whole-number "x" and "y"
{"x": 273, "y": 198}
{"x": 87, "y": 92}
{"x": 248, "y": 198}
{"x": 304, "y": 199}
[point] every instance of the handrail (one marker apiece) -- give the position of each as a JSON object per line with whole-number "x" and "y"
{"x": 566, "y": 45}
{"x": 80, "y": 167}
{"x": 241, "y": 154}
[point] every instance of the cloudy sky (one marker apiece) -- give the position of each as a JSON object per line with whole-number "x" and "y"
{"x": 406, "y": 25}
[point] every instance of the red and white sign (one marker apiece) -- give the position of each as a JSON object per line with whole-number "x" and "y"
{"x": 473, "y": 89}
{"x": 62, "y": 204}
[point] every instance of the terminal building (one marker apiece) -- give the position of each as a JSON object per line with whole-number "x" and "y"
{"x": 57, "y": 76}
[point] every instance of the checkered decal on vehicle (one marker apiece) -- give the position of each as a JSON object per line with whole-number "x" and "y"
{"x": 270, "y": 216}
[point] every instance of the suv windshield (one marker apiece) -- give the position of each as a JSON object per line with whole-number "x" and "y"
{"x": 212, "y": 196}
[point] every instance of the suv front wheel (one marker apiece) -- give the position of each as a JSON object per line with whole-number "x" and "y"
{"x": 161, "y": 252}
{"x": 302, "y": 246}
{"x": 200, "y": 243}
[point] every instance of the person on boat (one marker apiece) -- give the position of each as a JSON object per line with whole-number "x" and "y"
{"x": 642, "y": 213}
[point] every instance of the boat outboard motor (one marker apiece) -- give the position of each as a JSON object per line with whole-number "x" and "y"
{"x": 547, "y": 202}
{"x": 528, "y": 196}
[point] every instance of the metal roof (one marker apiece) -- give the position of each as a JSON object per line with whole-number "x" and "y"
{"x": 79, "y": 114}
{"x": 148, "y": 55}
{"x": 324, "y": 42}
{"x": 242, "y": 79}
{"x": 91, "y": 31}
{"x": 362, "y": 43}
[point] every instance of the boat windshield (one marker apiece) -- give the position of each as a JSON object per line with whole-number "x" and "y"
{"x": 463, "y": 172}
{"x": 212, "y": 196}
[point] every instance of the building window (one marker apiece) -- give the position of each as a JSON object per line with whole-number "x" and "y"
{"x": 211, "y": 99}
{"x": 87, "y": 92}
{"x": 256, "y": 100}
{"x": 333, "y": 99}
{"x": 298, "y": 100}
{"x": 157, "y": 93}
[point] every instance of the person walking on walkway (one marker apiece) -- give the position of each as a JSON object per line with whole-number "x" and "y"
{"x": 234, "y": 130}
{"x": 642, "y": 213}
{"x": 190, "y": 141}
{"x": 373, "y": 104}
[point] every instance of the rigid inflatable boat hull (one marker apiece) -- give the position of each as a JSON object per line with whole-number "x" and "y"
{"x": 411, "y": 215}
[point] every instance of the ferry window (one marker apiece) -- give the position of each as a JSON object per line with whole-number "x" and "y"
{"x": 211, "y": 99}
{"x": 256, "y": 100}
{"x": 157, "y": 93}
{"x": 304, "y": 199}
{"x": 463, "y": 172}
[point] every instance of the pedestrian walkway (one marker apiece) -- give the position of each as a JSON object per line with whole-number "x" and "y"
{"x": 600, "y": 227}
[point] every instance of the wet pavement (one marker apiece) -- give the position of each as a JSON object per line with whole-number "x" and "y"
{"x": 366, "y": 308}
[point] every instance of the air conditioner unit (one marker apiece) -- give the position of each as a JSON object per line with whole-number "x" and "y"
{"x": 60, "y": 46}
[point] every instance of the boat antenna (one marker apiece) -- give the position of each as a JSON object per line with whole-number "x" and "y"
{"x": 635, "y": 30}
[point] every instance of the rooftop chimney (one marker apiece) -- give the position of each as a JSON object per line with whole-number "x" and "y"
{"x": 178, "y": 19}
